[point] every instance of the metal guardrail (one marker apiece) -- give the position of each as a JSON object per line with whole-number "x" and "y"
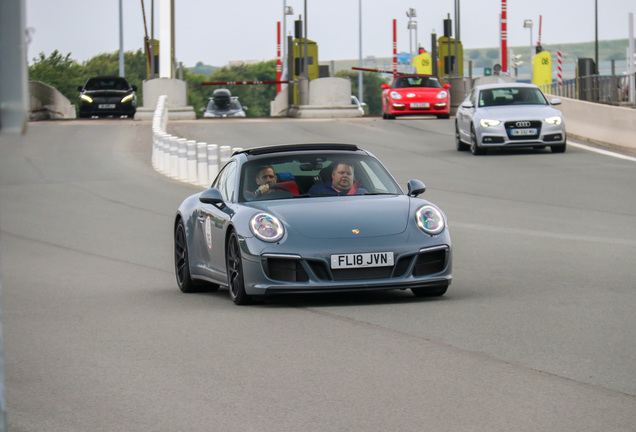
{"x": 605, "y": 89}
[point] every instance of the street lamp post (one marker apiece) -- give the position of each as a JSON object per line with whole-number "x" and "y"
{"x": 360, "y": 81}
{"x": 287, "y": 10}
{"x": 411, "y": 13}
{"x": 528, "y": 24}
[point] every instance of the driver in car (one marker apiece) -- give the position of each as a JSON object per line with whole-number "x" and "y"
{"x": 265, "y": 178}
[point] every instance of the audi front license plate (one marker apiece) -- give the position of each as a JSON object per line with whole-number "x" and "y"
{"x": 524, "y": 132}
{"x": 361, "y": 260}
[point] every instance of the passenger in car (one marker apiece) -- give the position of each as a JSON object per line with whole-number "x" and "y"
{"x": 341, "y": 182}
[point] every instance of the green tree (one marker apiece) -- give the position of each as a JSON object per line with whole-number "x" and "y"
{"x": 58, "y": 71}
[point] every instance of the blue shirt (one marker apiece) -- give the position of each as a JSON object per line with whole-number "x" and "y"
{"x": 327, "y": 189}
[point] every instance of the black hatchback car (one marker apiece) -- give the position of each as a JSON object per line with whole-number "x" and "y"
{"x": 107, "y": 96}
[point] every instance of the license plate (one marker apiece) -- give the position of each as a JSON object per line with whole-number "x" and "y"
{"x": 522, "y": 132}
{"x": 361, "y": 260}
{"x": 420, "y": 105}
{"x": 106, "y": 106}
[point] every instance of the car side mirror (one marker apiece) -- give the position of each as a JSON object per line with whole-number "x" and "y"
{"x": 134, "y": 88}
{"x": 385, "y": 86}
{"x": 447, "y": 85}
{"x": 79, "y": 88}
{"x": 468, "y": 105}
{"x": 555, "y": 101}
{"x": 211, "y": 196}
{"x": 415, "y": 187}
{"x": 244, "y": 108}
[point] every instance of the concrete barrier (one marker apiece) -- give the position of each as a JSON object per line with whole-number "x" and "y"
{"x": 603, "y": 125}
{"x": 47, "y": 103}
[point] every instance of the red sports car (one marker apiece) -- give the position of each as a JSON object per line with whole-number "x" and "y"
{"x": 415, "y": 95}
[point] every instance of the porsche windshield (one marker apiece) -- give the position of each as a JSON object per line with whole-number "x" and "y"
{"x": 316, "y": 175}
{"x": 417, "y": 81}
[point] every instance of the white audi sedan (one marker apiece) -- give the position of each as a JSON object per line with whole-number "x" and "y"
{"x": 509, "y": 115}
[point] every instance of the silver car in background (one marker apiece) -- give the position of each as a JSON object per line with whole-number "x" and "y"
{"x": 509, "y": 115}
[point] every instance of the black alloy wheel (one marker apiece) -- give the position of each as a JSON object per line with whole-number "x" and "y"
{"x": 181, "y": 260}
{"x": 235, "y": 282}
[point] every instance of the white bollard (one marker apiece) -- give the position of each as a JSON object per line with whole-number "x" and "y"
{"x": 158, "y": 157}
{"x": 166, "y": 154}
{"x": 202, "y": 164}
{"x": 174, "y": 158}
{"x": 213, "y": 162}
{"x": 183, "y": 162}
{"x": 191, "y": 157}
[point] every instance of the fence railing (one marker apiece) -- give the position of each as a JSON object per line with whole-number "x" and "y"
{"x": 606, "y": 89}
{"x": 186, "y": 160}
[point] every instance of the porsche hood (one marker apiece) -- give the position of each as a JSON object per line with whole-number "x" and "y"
{"x": 343, "y": 217}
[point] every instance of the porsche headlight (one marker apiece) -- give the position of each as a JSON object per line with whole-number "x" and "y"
{"x": 127, "y": 98}
{"x": 430, "y": 219}
{"x": 487, "y": 123}
{"x": 442, "y": 95}
{"x": 267, "y": 227}
{"x": 86, "y": 98}
{"x": 553, "y": 120}
{"x": 395, "y": 95}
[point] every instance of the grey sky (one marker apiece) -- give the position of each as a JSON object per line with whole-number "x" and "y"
{"x": 218, "y": 31}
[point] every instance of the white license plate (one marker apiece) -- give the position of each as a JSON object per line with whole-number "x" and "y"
{"x": 420, "y": 105}
{"x": 374, "y": 259}
{"x": 106, "y": 106}
{"x": 522, "y": 132}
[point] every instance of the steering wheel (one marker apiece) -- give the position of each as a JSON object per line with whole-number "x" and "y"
{"x": 279, "y": 187}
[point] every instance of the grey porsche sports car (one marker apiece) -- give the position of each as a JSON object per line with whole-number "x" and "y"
{"x": 508, "y": 115}
{"x": 310, "y": 218}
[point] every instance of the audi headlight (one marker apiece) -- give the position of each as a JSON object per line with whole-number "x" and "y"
{"x": 127, "y": 98}
{"x": 442, "y": 95}
{"x": 553, "y": 120}
{"x": 86, "y": 98}
{"x": 267, "y": 227}
{"x": 395, "y": 95}
{"x": 430, "y": 219}
{"x": 488, "y": 123}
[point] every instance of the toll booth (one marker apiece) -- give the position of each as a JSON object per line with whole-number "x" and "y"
{"x": 542, "y": 70}
{"x": 313, "y": 68}
{"x": 423, "y": 64}
{"x": 585, "y": 71}
{"x": 450, "y": 63}
{"x": 150, "y": 53}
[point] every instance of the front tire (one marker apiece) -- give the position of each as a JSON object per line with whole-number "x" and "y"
{"x": 558, "y": 148}
{"x": 459, "y": 144}
{"x": 182, "y": 260}
{"x": 234, "y": 264}
{"x": 474, "y": 148}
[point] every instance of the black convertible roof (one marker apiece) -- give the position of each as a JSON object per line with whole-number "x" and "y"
{"x": 298, "y": 147}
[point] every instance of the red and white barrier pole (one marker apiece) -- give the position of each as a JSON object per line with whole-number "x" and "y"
{"x": 504, "y": 36}
{"x": 394, "y": 48}
{"x": 279, "y": 67}
{"x": 560, "y": 69}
